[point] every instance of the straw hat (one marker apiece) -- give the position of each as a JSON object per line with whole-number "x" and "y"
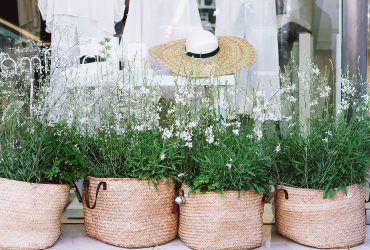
{"x": 203, "y": 54}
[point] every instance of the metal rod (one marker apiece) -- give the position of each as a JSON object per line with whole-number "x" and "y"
{"x": 354, "y": 40}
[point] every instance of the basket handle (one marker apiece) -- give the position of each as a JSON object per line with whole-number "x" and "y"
{"x": 86, "y": 192}
{"x": 267, "y": 199}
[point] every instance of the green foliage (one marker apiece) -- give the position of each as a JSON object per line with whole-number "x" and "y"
{"x": 334, "y": 152}
{"x": 133, "y": 154}
{"x": 334, "y": 155}
{"x": 234, "y": 162}
{"x": 31, "y": 151}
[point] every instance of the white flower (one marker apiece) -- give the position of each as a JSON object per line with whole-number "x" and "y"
{"x": 314, "y": 103}
{"x": 316, "y": 71}
{"x": 236, "y": 131}
{"x": 163, "y": 156}
{"x": 186, "y": 136}
{"x": 209, "y": 135}
{"x": 326, "y": 139}
{"x": 324, "y": 91}
{"x": 167, "y": 134}
{"x": 181, "y": 175}
{"x": 140, "y": 128}
{"x": 328, "y": 133}
{"x": 278, "y": 148}
{"x": 292, "y": 99}
{"x": 193, "y": 124}
{"x": 257, "y": 133}
{"x": 189, "y": 144}
{"x": 229, "y": 166}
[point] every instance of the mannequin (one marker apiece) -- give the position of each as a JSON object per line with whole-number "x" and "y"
{"x": 153, "y": 22}
{"x": 254, "y": 20}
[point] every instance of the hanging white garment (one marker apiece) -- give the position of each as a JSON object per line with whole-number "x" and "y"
{"x": 77, "y": 26}
{"x": 153, "y": 22}
{"x": 254, "y": 20}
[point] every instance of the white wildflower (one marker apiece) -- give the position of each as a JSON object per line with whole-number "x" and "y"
{"x": 316, "y": 71}
{"x": 209, "y": 135}
{"x": 181, "y": 175}
{"x": 163, "y": 156}
{"x": 258, "y": 133}
{"x": 186, "y": 136}
{"x": 189, "y": 144}
{"x": 229, "y": 166}
{"x": 167, "y": 134}
{"x": 292, "y": 99}
{"x": 324, "y": 91}
{"x": 326, "y": 140}
{"x": 278, "y": 148}
{"x": 193, "y": 124}
{"x": 236, "y": 131}
{"x": 314, "y": 103}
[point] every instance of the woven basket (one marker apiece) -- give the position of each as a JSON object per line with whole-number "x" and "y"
{"x": 212, "y": 221}
{"x": 310, "y": 220}
{"x": 30, "y": 214}
{"x": 129, "y": 212}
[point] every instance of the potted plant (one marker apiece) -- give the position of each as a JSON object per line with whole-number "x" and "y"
{"x": 324, "y": 169}
{"x": 222, "y": 194}
{"x": 37, "y": 164}
{"x": 129, "y": 192}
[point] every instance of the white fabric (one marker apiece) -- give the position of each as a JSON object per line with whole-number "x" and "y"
{"x": 77, "y": 26}
{"x": 103, "y": 12}
{"x": 254, "y": 20}
{"x": 153, "y": 22}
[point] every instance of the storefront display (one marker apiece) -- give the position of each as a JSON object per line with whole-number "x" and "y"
{"x": 228, "y": 103}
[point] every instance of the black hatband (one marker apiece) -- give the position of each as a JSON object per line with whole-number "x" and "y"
{"x": 208, "y": 55}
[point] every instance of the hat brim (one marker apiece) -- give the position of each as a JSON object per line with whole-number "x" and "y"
{"x": 234, "y": 55}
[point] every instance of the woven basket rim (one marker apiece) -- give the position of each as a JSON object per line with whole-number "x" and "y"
{"x": 125, "y": 179}
{"x": 33, "y": 183}
{"x": 184, "y": 186}
{"x": 311, "y": 189}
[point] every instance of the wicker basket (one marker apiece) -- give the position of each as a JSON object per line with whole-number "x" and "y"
{"x": 309, "y": 219}
{"x": 30, "y": 214}
{"x": 212, "y": 221}
{"x": 129, "y": 212}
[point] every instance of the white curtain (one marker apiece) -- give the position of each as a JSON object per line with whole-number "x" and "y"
{"x": 153, "y": 22}
{"x": 254, "y": 20}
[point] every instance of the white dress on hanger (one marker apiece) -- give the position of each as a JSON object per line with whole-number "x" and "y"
{"x": 153, "y": 22}
{"x": 255, "y": 20}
